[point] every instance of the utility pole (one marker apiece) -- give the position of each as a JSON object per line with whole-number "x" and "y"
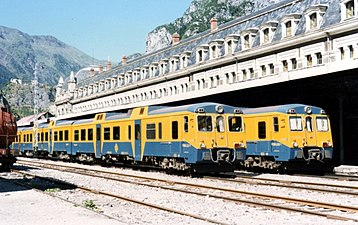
{"x": 36, "y": 110}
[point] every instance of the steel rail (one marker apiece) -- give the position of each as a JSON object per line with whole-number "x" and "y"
{"x": 297, "y": 182}
{"x": 266, "y": 196}
{"x": 286, "y": 184}
{"x": 94, "y": 191}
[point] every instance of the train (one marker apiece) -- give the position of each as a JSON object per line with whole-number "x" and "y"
{"x": 195, "y": 138}
{"x": 288, "y": 137}
{"x": 202, "y": 137}
{"x": 8, "y": 133}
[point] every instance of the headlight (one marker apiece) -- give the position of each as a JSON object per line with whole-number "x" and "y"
{"x": 219, "y": 109}
{"x": 202, "y": 145}
{"x": 295, "y": 145}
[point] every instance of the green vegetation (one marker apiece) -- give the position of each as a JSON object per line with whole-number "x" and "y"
{"x": 90, "y": 204}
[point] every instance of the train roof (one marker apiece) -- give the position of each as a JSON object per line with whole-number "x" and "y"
{"x": 116, "y": 116}
{"x": 298, "y": 108}
{"x": 64, "y": 122}
{"x": 82, "y": 121}
{"x": 24, "y": 128}
{"x": 209, "y": 107}
{"x": 43, "y": 125}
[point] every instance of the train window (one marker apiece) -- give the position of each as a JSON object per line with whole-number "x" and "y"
{"x": 55, "y": 136}
{"x": 160, "y": 130}
{"x": 275, "y": 124}
{"x": 220, "y": 125}
{"x": 30, "y": 137}
{"x": 141, "y": 111}
{"x": 60, "y": 138}
{"x": 262, "y": 130}
{"x": 175, "y": 129}
{"x": 309, "y": 124}
{"x": 20, "y": 138}
{"x": 90, "y": 134}
{"x": 107, "y": 133}
{"x": 116, "y": 133}
{"x": 150, "y": 131}
{"x": 42, "y": 137}
{"x": 66, "y": 135}
{"x": 296, "y": 123}
{"x": 46, "y": 136}
{"x": 25, "y": 138}
{"x": 129, "y": 132}
{"x": 83, "y": 134}
{"x": 235, "y": 123}
{"x": 205, "y": 123}
{"x": 137, "y": 131}
{"x": 322, "y": 123}
{"x": 38, "y": 137}
{"x": 76, "y": 138}
{"x": 186, "y": 124}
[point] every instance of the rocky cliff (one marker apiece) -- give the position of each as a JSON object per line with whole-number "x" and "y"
{"x": 197, "y": 18}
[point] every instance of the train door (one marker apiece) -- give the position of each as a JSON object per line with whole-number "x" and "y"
{"x": 310, "y": 131}
{"x": 98, "y": 145}
{"x": 137, "y": 140}
{"x": 220, "y": 131}
{"x": 264, "y": 135}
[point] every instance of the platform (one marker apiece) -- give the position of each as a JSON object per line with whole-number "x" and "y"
{"x": 346, "y": 170}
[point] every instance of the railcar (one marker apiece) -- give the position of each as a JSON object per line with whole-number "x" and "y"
{"x": 288, "y": 137}
{"x": 8, "y": 131}
{"x": 205, "y": 137}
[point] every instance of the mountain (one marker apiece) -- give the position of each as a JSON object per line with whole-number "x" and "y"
{"x": 197, "y": 18}
{"x": 19, "y": 52}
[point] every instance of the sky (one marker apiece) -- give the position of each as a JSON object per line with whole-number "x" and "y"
{"x": 100, "y": 28}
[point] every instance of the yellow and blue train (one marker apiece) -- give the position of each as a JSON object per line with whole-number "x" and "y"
{"x": 287, "y": 137}
{"x": 204, "y": 137}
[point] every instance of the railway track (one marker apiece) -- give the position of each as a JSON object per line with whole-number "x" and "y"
{"x": 303, "y": 185}
{"x": 335, "y": 211}
{"x": 108, "y": 194}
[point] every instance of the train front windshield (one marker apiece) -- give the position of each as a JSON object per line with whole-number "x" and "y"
{"x": 322, "y": 123}
{"x": 205, "y": 123}
{"x": 296, "y": 123}
{"x": 235, "y": 124}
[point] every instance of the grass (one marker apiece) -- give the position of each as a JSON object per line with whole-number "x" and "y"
{"x": 90, "y": 204}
